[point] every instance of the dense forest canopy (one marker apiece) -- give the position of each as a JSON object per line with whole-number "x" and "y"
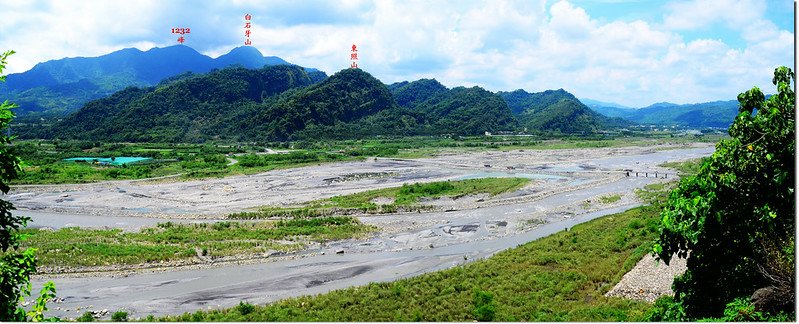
{"x": 284, "y": 102}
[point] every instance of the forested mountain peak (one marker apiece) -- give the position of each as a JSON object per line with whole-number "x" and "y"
{"x": 556, "y": 111}
{"x": 195, "y": 108}
{"x": 411, "y": 94}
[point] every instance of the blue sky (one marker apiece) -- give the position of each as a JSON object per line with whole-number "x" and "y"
{"x": 632, "y": 52}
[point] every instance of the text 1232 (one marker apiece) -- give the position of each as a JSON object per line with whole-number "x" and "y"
{"x": 181, "y": 31}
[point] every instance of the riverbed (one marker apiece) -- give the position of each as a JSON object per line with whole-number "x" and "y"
{"x": 407, "y": 244}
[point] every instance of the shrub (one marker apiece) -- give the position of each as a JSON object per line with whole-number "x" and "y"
{"x": 119, "y": 316}
{"x": 86, "y": 317}
{"x": 484, "y": 308}
{"x": 245, "y": 308}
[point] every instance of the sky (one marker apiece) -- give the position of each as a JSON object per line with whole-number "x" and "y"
{"x": 631, "y": 52}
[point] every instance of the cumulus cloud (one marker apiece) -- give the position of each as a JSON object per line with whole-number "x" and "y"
{"x": 499, "y": 45}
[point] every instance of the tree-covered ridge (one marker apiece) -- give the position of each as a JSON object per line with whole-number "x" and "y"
{"x": 468, "y": 111}
{"x": 347, "y": 96}
{"x": 461, "y": 111}
{"x": 521, "y": 101}
{"x": 283, "y": 102}
{"x": 411, "y": 94}
{"x": 192, "y": 109}
{"x": 278, "y": 103}
{"x": 556, "y": 111}
{"x": 58, "y": 87}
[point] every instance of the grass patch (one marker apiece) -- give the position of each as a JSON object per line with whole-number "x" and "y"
{"x": 609, "y": 199}
{"x": 656, "y": 193}
{"x": 170, "y": 241}
{"x": 689, "y": 167}
{"x": 562, "y": 277}
{"x": 401, "y": 198}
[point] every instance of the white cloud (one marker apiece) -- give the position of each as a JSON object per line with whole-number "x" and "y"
{"x": 499, "y": 45}
{"x": 694, "y": 14}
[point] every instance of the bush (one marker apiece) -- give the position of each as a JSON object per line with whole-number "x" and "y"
{"x": 426, "y": 189}
{"x": 665, "y": 310}
{"x": 86, "y": 317}
{"x": 119, "y": 316}
{"x": 245, "y": 308}
{"x": 484, "y": 307}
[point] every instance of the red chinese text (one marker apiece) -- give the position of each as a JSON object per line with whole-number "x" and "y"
{"x": 247, "y": 26}
{"x": 354, "y": 57}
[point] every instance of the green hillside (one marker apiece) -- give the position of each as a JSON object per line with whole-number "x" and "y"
{"x": 411, "y": 94}
{"x": 556, "y": 111}
{"x": 193, "y": 109}
{"x": 279, "y": 103}
{"x": 468, "y": 111}
{"x": 459, "y": 111}
{"x": 283, "y": 102}
{"x": 345, "y": 97}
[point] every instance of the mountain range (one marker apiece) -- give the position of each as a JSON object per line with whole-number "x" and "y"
{"x": 176, "y": 94}
{"x": 718, "y": 114}
{"x": 58, "y": 87}
{"x": 278, "y": 103}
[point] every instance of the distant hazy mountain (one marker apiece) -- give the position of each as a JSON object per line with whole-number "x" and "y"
{"x": 556, "y": 111}
{"x": 610, "y": 109}
{"x": 591, "y": 103}
{"x": 58, "y": 87}
{"x": 709, "y": 114}
{"x": 248, "y": 57}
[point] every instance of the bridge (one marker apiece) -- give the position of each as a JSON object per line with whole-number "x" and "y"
{"x": 647, "y": 174}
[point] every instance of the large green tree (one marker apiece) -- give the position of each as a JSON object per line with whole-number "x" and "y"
{"x": 16, "y": 266}
{"x": 734, "y": 220}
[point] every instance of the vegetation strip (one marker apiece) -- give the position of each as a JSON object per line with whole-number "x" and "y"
{"x": 44, "y": 160}
{"x": 390, "y": 200}
{"x": 74, "y": 247}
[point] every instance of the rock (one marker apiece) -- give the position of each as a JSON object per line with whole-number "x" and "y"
{"x": 771, "y": 299}
{"x": 340, "y": 251}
